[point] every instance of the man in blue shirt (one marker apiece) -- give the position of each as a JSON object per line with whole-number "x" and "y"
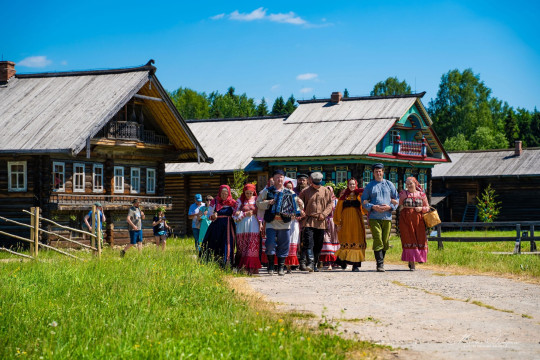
{"x": 380, "y": 198}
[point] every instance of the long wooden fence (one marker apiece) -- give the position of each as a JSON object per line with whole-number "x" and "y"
{"x": 35, "y": 230}
{"x": 520, "y": 226}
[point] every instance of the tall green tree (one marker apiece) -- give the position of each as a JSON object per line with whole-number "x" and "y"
{"x": 511, "y": 130}
{"x": 290, "y": 105}
{"x": 457, "y": 143}
{"x": 391, "y": 86}
{"x": 262, "y": 108}
{"x": 279, "y": 107}
{"x": 346, "y": 93}
{"x": 191, "y": 104}
{"x": 230, "y": 105}
{"x": 486, "y": 138}
{"x": 535, "y": 128}
{"x": 462, "y": 105}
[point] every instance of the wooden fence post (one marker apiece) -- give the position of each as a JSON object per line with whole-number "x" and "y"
{"x": 98, "y": 233}
{"x": 439, "y": 240}
{"x": 92, "y": 238}
{"x": 533, "y": 243}
{"x": 517, "y": 246}
{"x": 36, "y": 231}
{"x": 32, "y": 229}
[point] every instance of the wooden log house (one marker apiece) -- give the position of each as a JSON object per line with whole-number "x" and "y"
{"x": 70, "y": 139}
{"x": 514, "y": 174}
{"x": 341, "y": 137}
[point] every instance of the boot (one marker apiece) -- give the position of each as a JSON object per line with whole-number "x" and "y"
{"x": 412, "y": 267}
{"x": 311, "y": 260}
{"x": 303, "y": 260}
{"x": 289, "y": 269}
{"x": 316, "y": 263}
{"x": 356, "y": 267}
{"x": 281, "y": 266}
{"x": 379, "y": 257}
{"x": 270, "y": 266}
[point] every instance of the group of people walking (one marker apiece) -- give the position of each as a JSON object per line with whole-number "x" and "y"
{"x": 285, "y": 226}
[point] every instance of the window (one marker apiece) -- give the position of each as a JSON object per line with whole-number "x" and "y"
{"x": 422, "y": 179}
{"x": 59, "y": 176}
{"x": 341, "y": 176}
{"x": 150, "y": 181}
{"x": 135, "y": 180}
{"x": 78, "y": 177}
{"x": 393, "y": 176}
{"x": 393, "y": 136}
{"x": 17, "y": 175}
{"x": 291, "y": 174}
{"x": 367, "y": 176}
{"x": 98, "y": 178}
{"x": 118, "y": 179}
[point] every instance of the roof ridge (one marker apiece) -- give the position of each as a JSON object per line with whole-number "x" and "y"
{"x": 378, "y": 97}
{"x": 147, "y": 67}
{"x": 238, "y": 118}
{"x": 489, "y": 150}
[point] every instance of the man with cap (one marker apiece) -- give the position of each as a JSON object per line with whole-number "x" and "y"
{"x": 134, "y": 220}
{"x": 99, "y": 215}
{"x": 380, "y": 198}
{"x": 277, "y": 225}
{"x": 317, "y": 207}
{"x": 195, "y": 214}
{"x": 301, "y": 183}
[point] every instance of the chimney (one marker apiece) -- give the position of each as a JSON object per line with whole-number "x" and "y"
{"x": 7, "y": 70}
{"x": 335, "y": 97}
{"x": 518, "y": 150}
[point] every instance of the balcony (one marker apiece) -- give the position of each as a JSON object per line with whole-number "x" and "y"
{"x": 128, "y": 130}
{"x": 109, "y": 202}
{"x": 410, "y": 148}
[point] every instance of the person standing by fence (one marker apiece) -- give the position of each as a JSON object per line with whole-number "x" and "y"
{"x": 411, "y": 223}
{"x": 98, "y": 216}
{"x": 134, "y": 220}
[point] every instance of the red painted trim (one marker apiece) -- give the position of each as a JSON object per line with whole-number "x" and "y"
{"x": 408, "y": 157}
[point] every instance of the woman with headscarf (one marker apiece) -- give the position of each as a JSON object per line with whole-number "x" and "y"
{"x": 330, "y": 242}
{"x": 220, "y": 239}
{"x": 349, "y": 219}
{"x": 294, "y": 237}
{"x": 247, "y": 230}
{"x": 414, "y": 204}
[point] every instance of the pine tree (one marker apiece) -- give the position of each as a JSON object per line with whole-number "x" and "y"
{"x": 511, "y": 130}
{"x": 279, "y": 107}
{"x": 346, "y": 93}
{"x": 488, "y": 207}
{"x": 262, "y": 108}
{"x": 290, "y": 105}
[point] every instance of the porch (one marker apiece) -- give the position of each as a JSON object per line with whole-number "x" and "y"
{"x": 109, "y": 202}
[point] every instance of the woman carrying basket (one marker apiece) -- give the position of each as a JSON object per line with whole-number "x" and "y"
{"x": 414, "y": 204}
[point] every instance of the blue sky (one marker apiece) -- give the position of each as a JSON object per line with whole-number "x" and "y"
{"x": 268, "y": 49}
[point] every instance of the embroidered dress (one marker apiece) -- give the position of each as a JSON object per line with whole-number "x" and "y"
{"x": 412, "y": 228}
{"x": 352, "y": 236}
{"x": 330, "y": 242}
{"x": 292, "y": 258}
{"x": 247, "y": 236}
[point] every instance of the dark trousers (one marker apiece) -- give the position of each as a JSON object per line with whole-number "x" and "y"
{"x": 312, "y": 242}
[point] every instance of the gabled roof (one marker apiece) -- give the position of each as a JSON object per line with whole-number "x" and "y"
{"x": 230, "y": 142}
{"x": 351, "y": 127}
{"x": 490, "y": 163}
{"x": 58, "y": 112}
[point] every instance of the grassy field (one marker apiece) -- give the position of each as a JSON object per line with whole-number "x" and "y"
{"x": 475, "y": 257}
{"x": 150, "y": 305}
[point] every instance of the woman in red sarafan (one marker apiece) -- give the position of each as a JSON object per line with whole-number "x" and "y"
{"x": 247, "y": 230}
{"x": 411, "y": 223}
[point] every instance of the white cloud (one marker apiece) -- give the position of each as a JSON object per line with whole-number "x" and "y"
{"x": 218, "y": 16}
{"x": 256, "y": 14}
{"x": 307, "y": 76}
{"x": 306, "y": 90}
{"x": 35, "y": 61}
{"x": 261, "y": 14}
{"x": 275, "y": 87}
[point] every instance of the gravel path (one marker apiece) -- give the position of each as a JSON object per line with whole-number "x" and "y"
{"x": 433, "y": 314}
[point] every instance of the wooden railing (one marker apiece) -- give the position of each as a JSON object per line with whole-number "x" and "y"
{"x": 519, "y": 226}
{"x": 110, "y": 201}
{"x": 128, "y": 130}
{"x": 414, "y": 148}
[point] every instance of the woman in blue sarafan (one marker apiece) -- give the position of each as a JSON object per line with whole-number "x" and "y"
{"x": 220, "y": 239}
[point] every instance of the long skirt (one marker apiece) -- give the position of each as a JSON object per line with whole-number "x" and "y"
{"x": 352, "y": 237}
{"x": 292, "y": 258}
{"x": 247, "y": 244}
{"x": 330, "y": 242}
{"x": 205, "y": 223}
{"x": 220, "y": 239}
{"x": 413, "y": 236}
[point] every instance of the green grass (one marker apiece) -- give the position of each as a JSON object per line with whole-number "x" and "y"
{"x": 150, "y": 305}
{"x": 477, "y": 256}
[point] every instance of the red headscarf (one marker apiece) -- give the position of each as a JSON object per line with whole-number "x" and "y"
{"x": 218, "y": 202}
{"x": 348, "y": 191}
{"x": 286, "y": 182}
{"x": 415, "y": 182}
{"x": 247, "y": 187}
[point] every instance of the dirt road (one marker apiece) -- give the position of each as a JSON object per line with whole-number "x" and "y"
{"x": 433, "y": 314}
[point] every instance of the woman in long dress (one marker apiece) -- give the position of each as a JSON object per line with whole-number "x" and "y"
{"x": 412, "y": 229}
{"x": 247, "y": 230}
{"x": 292, "y": 258}
{"x": 330, "y": 241}
{"x": 350, "y": 225}
{"x": 220, "y": 239}
{"x": 203, "y": 217}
